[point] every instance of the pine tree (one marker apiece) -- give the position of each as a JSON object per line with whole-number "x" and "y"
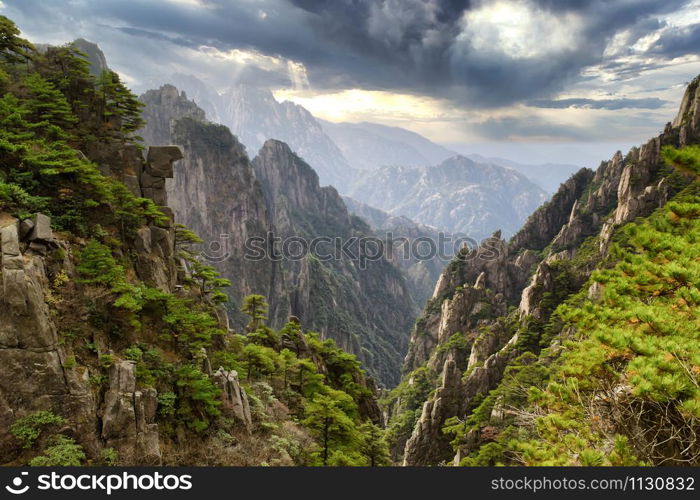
{"x": 288, "y": 363}
{"x": 373, "y": 445}
{"x": 120, "y": 108}
{"x": 47, "y": 108}
{"x": 13, "y": 48}
{"x": 260, "y": 359}
{"x": 255, "y": 307}
{"x": 330, "y": 424}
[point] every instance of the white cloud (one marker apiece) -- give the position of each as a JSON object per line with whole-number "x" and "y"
{"x": 518, "y": 29}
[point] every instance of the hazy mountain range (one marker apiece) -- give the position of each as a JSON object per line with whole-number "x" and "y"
{"x": 339, "y": 152}
{"x": 458, "y": 195}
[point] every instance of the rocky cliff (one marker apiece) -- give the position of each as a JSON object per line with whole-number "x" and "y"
{"x": 111, "y": 328}
{"x": 41, "y": 291}
{"x": 495, "y": 304}
{"x": 365, "y": 305}
{"x": 230, "y": 201}
{"x": 421, "y": 251}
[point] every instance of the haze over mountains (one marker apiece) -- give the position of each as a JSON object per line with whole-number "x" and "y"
{"x": 459, "y": 195}
{"x": 346, "y": 155}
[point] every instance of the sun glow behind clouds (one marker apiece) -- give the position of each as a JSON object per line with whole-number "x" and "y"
{"x": 359, "y": 105}
{"x": 518, "y": 29}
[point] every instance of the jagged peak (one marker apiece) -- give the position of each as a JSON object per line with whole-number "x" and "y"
{"x": 277, "y": 155}
{"x": 95, "y": 56}
{"x": 248, "y": 91}
{"x": 689, "y": 104}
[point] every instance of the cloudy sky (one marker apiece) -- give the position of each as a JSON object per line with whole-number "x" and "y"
{"x": 492, "y": 74}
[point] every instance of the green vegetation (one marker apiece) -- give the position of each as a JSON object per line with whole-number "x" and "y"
{"x": 62, "y": 452}
{"x": 28, "y": 429}
{"x": 623, "y": 389}
{"x": 405, "y": 403}
{"x": 311, "y": 403}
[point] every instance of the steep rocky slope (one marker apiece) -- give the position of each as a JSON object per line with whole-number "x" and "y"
{"x": 458, "y": 195}
{"x": 421, "y": 251}
{"x": 228, "y": 200}
{"x": 111, "y": 329}
{"x": 365, "y": 305}
{"x": 254, "y": 115}
{"x": 491, "y": 313}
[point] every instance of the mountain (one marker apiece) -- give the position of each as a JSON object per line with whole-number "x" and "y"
{"x": 548, "y": 176}
{"x": 421, "y": 251}
{"x": 254, "y": 116}
{"x": 232, "y": 203}
{"x": 115, "y": 346}
{"x": 95, "y": 56}
{"x": 368, "y": 146}
{"x": 459, "y": 195}
{"x": 549, "y": 348}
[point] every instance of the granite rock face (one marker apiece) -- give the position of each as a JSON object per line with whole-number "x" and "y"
{"x": 364, "y": 305}
{"x": 30, "y": 349}
{"x": 163, "y": 107}
{"x": 155, "y": 260}
{"x": 589, "y": 206}
{"x": 234, "y": 397}
{"x": 128, "y": 416}
{"x": 237, "y": 207}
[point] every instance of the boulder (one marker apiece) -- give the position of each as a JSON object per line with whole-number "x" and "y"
{"x": 26, "y": 228}
{"x": 160, "y": 160}
{"x": 9, "y": 239}
{"x": 42, "y": 229}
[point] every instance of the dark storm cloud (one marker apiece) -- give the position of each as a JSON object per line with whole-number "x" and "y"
{"x": 646, "y": 103}
{"x": 398, "y": 45}
{"x": 421, "y": 48}
{"x": 676, "y": 42}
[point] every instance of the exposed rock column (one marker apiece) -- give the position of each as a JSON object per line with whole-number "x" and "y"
{"x": 29, "y": 346}
{"x": 233, "y": 396}
{"x": 156, "y": 245}
{"x": 128, "y": 417}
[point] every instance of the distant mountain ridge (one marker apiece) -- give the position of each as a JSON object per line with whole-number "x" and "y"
{"x": 546, "y": 175}
{"x": 254, "y": 116}
{"x": 339, "y": 152}
{"x": 368, "y": 146}
{"x": 459, "y": 195}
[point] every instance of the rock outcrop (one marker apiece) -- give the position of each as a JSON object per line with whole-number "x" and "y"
{"x": 550, "y": 257}
{"x": 233, "y": 396}
{"x": 163, "y": 107}
{"x": 128, "y": 416}
{"x": 155, "y": 243}
{"x": 239, "y": 208}
{"x": 30, "y": 349}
